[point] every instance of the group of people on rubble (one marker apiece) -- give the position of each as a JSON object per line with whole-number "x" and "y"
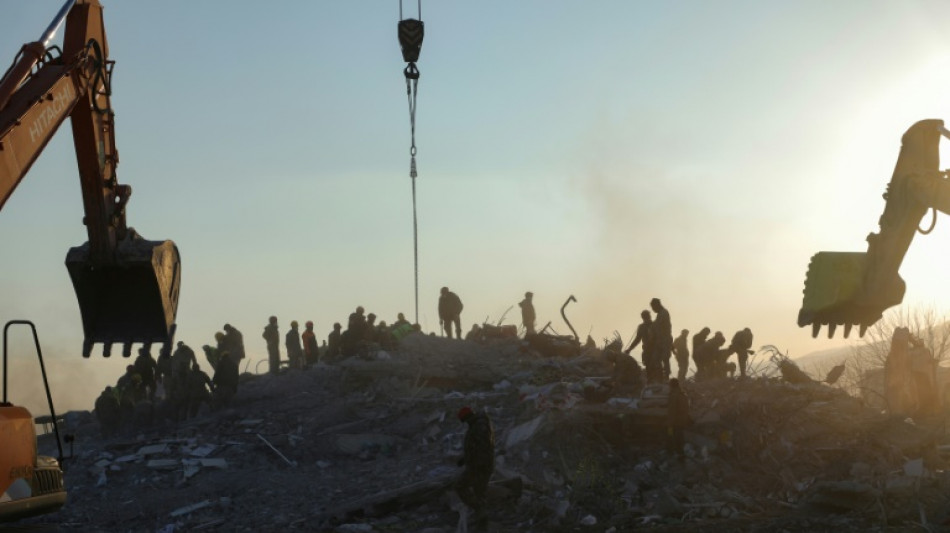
{"x": 655, "y": 336}
{"x": 173, "y": 387}
{"x": 362, "y": 336}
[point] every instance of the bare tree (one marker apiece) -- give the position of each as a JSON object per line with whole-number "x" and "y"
{"x": 864, "y": 372}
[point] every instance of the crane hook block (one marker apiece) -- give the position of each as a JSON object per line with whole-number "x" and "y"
{"x": 411, "y": 32}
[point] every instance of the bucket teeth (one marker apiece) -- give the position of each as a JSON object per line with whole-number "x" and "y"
{"x": 815, "y": 329}
{"x": 831, "y": 330}
{"x": 847, "y": 330}
{"x": 862, "y": 330}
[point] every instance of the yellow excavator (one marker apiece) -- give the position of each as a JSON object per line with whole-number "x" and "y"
{"x": 127, "y": 287}
{"x": 855, "y": 288}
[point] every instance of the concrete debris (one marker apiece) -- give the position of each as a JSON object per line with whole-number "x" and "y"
{"x": 375, "y": 445}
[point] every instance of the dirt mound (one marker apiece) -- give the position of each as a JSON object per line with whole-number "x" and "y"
{"x": 371, "y": 445}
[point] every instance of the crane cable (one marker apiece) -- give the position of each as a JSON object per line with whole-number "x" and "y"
{"x": 411, "y": 32}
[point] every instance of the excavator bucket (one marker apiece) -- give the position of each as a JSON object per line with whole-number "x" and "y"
{"x": 133, "y": 300}
{"x": 836, "y": 293}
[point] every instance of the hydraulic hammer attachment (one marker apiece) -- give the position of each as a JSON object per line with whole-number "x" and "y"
{"x": 133, "y": 300}
{"x": 837, "y": 291}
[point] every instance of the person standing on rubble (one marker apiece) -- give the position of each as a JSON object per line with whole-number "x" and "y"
{"x": 146, "y": 366}
{"x": 479, "y": 460}
{"x": 698, "y": 340}
{"x": 713, "y": 358}
{"x": 310, "y": 349}
{"x": 334, "y": 342}
{"x": 292, "y": 342}
{"x": 645, "y": 336}
{"x": 450, "y": 312}
{"x": 662, "y": 336}
{"x": 677, "y": 418}
{"x": 527, "y": 313}
{"x": 355, "y": 329}
{"x": 225, "y": 381}
{"x": 198, "y": 393}
{"x": 741, "y": 345}
{"x": 233, "y": 343}
{"x": 681, "y": 350}
{"x": 272, "y": 338}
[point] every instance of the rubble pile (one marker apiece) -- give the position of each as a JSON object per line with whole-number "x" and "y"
{"x": 371, "y": 444}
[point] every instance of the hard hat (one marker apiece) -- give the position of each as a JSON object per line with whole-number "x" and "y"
{"x": 464, "y": 413}
{"x": 293, "y": 323}
{"x": 309, "y": 324}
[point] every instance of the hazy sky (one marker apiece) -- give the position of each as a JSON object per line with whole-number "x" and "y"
{"x": 699, "y": 152}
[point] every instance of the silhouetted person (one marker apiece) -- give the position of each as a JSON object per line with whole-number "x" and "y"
{"x": 677, "y": 417}
{"x": 369, "y": 329}
{"x": 527, "y": 313}
{"x": 225, "y": 380}
{"x": 107, "y": 412}
{"x": 272, "y": 338}
{"x": 311, "y": 350}
{"x": 198, "y": 393}
{"x": 401, "y": 321}
{"x": 479, "y": 460}
{"x": 662, "y": 336}
{"x": 355, "y": 330}
{"x": 334, "y": 342}
{"x": 146, "y": 367}
{"x": 234, "y": 343}
{"x": 645, "y": 335}
{"x": 292, "y": 342}
{"x": 741, "y": 345}
{"x": 681, "y": 350}
{"x": 712, "y": 357}
{"x": 698, "y": 340}
{"x": 450, "y": 312}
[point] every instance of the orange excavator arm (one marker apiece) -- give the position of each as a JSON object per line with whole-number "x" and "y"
{"x": 855, "y": 288}
{"x": 127, "y": 287}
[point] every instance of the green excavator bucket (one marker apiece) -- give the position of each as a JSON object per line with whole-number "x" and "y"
{"x": 836, "y": 293}
{"x": 134, "y": 300}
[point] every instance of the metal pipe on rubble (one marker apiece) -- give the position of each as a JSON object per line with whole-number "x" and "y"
{"x": 570, "y": 299}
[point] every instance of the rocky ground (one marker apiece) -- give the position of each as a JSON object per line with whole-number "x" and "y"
{"x": 370, "y": 445}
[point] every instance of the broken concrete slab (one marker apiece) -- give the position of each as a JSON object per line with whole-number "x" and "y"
{"x": 153, "y": 449}
{"x": 354, "y": 444}
{"x": 213, "y": 462}
{"x": 190, "y": 508}
{"x": 523, "y": 432}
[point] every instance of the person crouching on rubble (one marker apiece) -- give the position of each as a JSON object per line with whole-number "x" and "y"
{"x": 479, "y": 460}
{"x": 677, "y": 418}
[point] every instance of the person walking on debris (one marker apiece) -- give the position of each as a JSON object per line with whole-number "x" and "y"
{"x": 677, "y": 418}
{"x": 198, "y": 393}
{"x": 310, "y": 348}
{"x": 662, "y": 336}
{"x": 698, "y": 340}
{"x": 681, "y": 350}
{"x": 450, "y": 312}
{"x": 334, "y": 342}
{"x": 233, "y": 343}
{"x": 294, "y": 350}
{"x": 225, "y": 381}
{"x": 645, "y": 335}
{"x": 272, "y": 338}
{"x": 146, "y": 367}
{"x": 479, "y": 460}
{"x": 527, "y": 313}
{"x": 741, "y": 345}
